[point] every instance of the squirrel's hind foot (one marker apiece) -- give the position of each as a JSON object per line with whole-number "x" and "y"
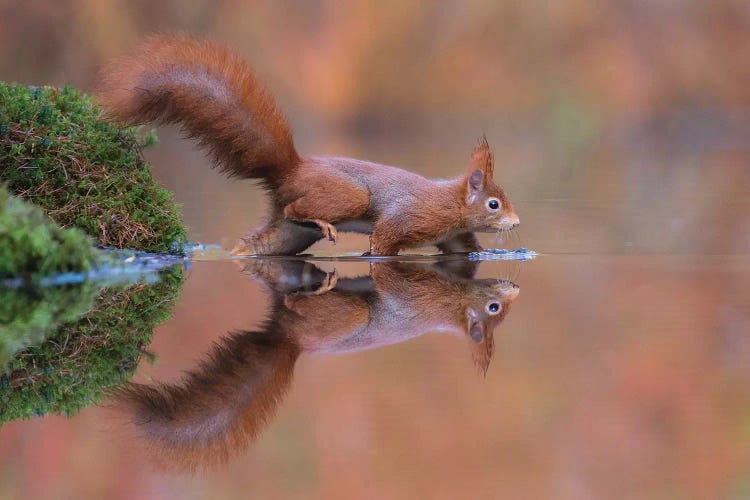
{"x": 329, "y": 230}
{"x": 278, "y": 237}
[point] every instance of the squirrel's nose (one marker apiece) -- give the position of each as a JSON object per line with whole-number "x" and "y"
{"x": 510, "y": 220}
{"x": 507, "y": 289}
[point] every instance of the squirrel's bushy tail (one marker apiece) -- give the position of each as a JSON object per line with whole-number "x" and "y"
{"x": 212, "y": 93}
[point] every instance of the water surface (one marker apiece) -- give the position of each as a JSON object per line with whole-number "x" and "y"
{"x": 621, "y": 366}
{"x": 626, "y": 370}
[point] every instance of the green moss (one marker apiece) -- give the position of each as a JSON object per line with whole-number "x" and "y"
{"x": 32, "y": 245}
{"x": 84, "y": 358}
{"x": 61, "y": 348}
{"x": 58, "y": 152}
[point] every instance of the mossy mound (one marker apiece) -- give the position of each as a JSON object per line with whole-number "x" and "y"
{"x": 84, "y": 358}
{"x": 32, "y": 245}
{"x": 57, "y": 151}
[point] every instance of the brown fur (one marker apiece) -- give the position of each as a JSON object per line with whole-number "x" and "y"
{"x": 218, "y": 409}
{"x": 212, "y": 93}
{"x": 215, "y": 97}
{"x": 463, "y": 242}
{"x": 438, "y": 295}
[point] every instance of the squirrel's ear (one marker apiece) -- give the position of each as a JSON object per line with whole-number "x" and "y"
{"x": 474, "y": 186}
{"x": 474, "y": 326}
{"x": 482, "y": 158}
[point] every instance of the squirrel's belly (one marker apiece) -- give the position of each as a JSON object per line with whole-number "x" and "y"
{"x": 362, "y": 226}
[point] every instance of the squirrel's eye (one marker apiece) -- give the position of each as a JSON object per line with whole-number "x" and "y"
{"x": 493, "y": 204}
{"x": 493, "y": 307}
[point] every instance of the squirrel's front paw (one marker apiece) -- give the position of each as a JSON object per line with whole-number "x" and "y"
{"x": 243, "y": 247}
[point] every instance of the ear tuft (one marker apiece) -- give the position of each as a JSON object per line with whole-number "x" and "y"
{"x": 482, "y": 157}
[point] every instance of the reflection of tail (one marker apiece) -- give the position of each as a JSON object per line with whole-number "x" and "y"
{"x": 217, "y": 410}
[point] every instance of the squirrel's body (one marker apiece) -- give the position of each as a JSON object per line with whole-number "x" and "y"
{"x": 215, "y": 97}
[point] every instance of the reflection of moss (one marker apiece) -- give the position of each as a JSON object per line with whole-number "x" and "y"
{"x": 56, "y": 151}
{"x": 84, "y": 358}
{"x": 31, "y": 244}
{"x": 30, "y": 315}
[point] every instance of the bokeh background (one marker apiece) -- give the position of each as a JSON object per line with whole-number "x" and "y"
{"x": 622, "y": 134}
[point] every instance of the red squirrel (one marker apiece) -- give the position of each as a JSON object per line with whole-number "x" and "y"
{"x": 220, "y": 407}
{"x": 215, "y": 97}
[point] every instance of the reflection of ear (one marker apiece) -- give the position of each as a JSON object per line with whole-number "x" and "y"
{"x": 475, "y": 185}
{"x": 474, "y": 326}
{"x": 476, "y": 333}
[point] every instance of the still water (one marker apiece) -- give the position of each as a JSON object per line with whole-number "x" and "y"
{"x": 615, "y": 363}
{"x": 291, "y": 378}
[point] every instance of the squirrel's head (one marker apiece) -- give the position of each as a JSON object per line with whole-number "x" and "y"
{"x": 489, "y": 303}
{"x": 488, "y": 210}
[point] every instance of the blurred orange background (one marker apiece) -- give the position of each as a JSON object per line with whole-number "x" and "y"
{"x": 621, "y": 133}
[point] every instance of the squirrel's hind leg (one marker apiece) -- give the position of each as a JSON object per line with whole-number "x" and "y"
{"x": 334, "y": 201}
{"x": 278, "y": 237}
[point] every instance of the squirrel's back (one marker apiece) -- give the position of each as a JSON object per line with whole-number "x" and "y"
{"x": 212, "y": 93}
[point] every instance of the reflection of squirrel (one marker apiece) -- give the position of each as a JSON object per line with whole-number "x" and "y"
{"x": 218, "y": 409}
{"x": 215, "y": 97}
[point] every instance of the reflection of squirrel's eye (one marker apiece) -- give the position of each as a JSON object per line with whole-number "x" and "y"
{"x": 493, "y": 307}
{"x": 493, "y": 204}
